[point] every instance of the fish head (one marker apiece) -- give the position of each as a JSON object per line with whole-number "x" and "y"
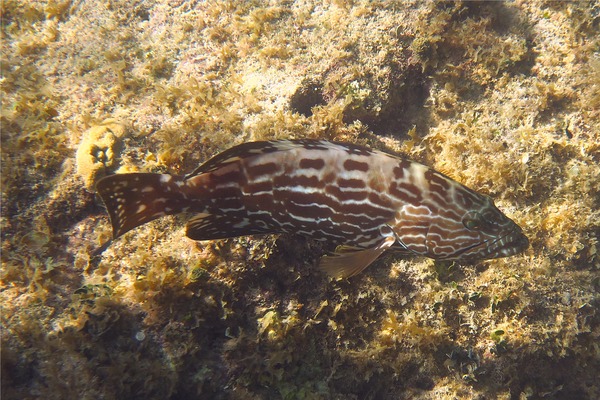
{"x": 459, "y": 229}
{"x": 487, "y": 233}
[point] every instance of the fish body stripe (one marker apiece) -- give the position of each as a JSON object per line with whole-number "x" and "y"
{"x": 335, "y": 192}
{"x": 318, "y": 195}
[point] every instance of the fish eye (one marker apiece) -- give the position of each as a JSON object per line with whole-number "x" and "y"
{"x": 473, "y": 221}
{"x": 489, "y": 216}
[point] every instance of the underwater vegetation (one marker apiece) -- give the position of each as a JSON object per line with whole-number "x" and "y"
{"x": 504, "y": 97}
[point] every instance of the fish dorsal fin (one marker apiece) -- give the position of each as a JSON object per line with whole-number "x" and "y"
{"x": 235, "y": 154}
{"x": 253, "y": 149}
{"x": 346, "y": 262}
{"x": 210, "y": 227}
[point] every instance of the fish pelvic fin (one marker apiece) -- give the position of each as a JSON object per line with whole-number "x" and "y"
{"x": 136, "y": 198}
{"x": 346, "y": 262}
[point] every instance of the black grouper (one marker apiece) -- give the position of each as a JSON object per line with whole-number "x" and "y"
{"x": 361, "y": 200}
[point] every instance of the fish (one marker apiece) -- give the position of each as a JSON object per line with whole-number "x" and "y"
{"x": 361, "y": 202}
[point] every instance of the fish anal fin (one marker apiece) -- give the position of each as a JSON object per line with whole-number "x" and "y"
{"x": 211, "y": 227}
{"x": 347, "y": 261}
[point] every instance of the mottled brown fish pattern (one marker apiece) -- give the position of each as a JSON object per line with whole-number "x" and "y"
{"x": 361, "y": 200}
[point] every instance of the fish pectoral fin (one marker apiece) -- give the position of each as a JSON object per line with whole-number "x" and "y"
{"x": 346, "y": 262}
{"x": 210, "y": 227}
{"x": 342, "y": 249}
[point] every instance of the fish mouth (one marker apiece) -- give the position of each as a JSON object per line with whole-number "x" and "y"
{"x": 507, "y": 245}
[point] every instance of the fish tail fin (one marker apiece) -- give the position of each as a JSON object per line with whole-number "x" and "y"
{"x": 136, "y": 198}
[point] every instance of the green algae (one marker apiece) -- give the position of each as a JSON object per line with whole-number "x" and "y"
{"x": 501, "y": 96}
